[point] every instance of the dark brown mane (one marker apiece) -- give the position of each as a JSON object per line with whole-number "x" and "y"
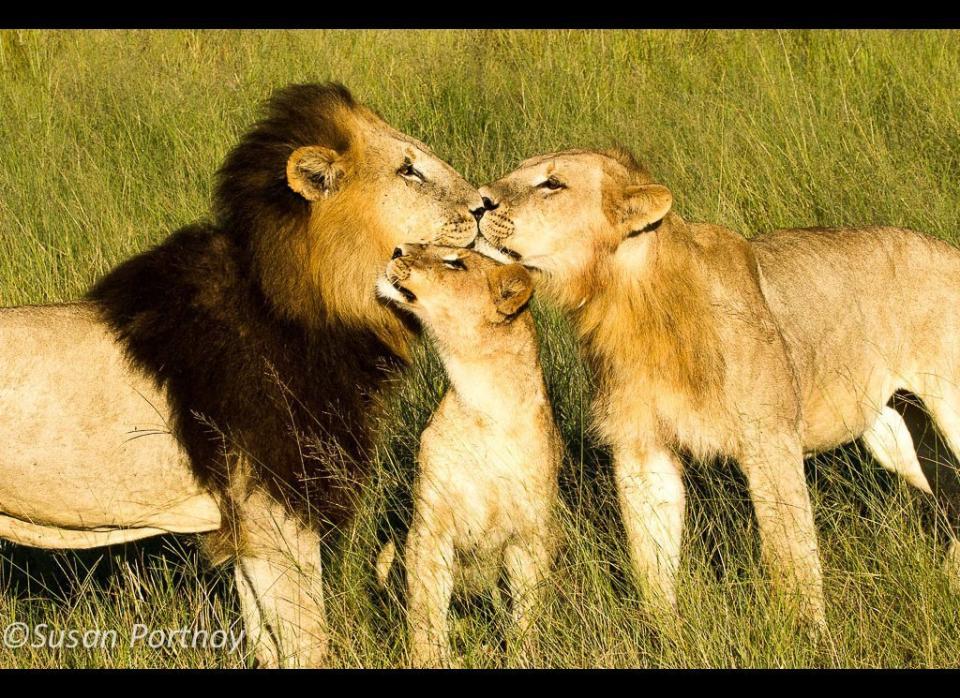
{"x": 252, "y": 196}
{"x": 245, "y": 381}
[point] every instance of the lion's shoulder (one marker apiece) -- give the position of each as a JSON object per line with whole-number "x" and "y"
{"x": 724, "y": 255}
{"x": 196, "y": 265}
{"x": 851, "y": 249}
{"x": 189, "y": 314}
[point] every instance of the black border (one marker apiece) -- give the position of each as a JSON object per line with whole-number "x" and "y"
{"x": 483, "y": 16}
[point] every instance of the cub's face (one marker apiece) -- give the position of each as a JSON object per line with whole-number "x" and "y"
{"x": 558, "y": 213}
{"x": 453, "y": 290}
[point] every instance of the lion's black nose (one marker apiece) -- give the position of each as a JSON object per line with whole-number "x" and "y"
{"x": 478, "y": 212}
{"x": 397, "y": 252}
{"x": 489, "y": 205}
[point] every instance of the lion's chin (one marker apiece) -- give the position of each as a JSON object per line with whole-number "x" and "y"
{"x": 501, "y": 254}
{"x": 394, "y": 292}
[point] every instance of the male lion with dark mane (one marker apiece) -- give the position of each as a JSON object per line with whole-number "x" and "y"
{"x": 223, "y": 380}
{"x": 762, "y": 351}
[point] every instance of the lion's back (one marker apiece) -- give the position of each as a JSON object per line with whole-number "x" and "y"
{"x": 836, "y": 270}
{"x": 854, "y": 252}
{"x": 857, "y": 305}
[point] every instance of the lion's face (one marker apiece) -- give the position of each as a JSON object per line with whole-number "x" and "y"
{"x": 558, "y": 213}
{"x": 321, "y": 191}
{"x": 410, "y": 196}
{"x": 424, "y": 199}
{"x": 454, "y": 291}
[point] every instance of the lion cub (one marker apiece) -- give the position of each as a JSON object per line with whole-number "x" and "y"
{"x": 486, "y": 487}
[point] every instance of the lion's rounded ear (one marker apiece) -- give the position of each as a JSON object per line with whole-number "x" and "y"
{"x": 644, "y": 206}
{"x": 313, "y": 171}
{"x": 511, "y": 287}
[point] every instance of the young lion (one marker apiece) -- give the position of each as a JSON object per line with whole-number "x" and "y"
{"x": 487, "y": 485}
{"x": 762, "y": 350}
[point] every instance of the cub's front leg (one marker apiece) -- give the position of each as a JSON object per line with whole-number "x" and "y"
{"x": 430, "y": 567}
{"x": 528, "y": 566}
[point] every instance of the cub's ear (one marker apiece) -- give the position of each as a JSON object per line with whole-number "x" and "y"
{"x": 511, "y": 287}
{"x": 644, "y": 206}
{"x": 314, "y": 171}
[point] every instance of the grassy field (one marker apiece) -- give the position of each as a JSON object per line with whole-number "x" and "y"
{"x": 109, "y": 140}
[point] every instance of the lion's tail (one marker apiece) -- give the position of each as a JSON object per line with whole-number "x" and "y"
{"x": 385, "y": 558}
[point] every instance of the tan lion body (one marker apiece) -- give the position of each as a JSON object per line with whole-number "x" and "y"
{"x": 97, "y": 419}
{"x": 70, "y": 399}
{"x": 486, "y": 489}
{"x": 864, "y": 312}
{"x": 761, "y": 351}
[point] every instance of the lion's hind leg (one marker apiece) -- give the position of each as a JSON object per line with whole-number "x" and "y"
{"x": 888, "y": 440}
{"x": 941, "y": 397}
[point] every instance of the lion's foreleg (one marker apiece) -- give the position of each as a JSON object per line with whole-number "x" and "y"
{"x": 281, "y": 593}
{"x": 651, "y": 495}
{"x": 430, "y": 577}
{"x": 528, "y": 567}
{"x": 778, "y": 490}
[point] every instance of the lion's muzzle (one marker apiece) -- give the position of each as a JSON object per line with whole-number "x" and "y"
{"x": 391, "y": 285}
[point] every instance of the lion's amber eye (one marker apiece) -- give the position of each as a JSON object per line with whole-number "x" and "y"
{"x": 411, "y": 172}
{"x": 551, "y": 183}
{"x": 455, "y": 264}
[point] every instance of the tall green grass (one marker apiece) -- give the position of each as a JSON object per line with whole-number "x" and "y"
{"x": 108, "y": 141}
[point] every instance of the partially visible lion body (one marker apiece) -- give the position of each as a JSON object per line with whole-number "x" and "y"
{"x": 225, "y": 379}
{"x": 709, "y": 343}
{"x": 864, "y": 312}
{"x": 69, "y": 397}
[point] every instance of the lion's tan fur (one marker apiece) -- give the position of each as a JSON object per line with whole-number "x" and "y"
{"x": 486, "y": 487}
{"x": 100, "y": 401}
{"x": 865, "y": 312}
{"x": 70, "y": 398}
{"x": 706, "y": 342}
